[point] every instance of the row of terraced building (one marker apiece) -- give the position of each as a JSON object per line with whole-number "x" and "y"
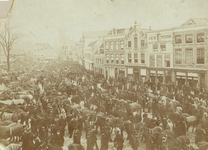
{"x": 175, "y": 55}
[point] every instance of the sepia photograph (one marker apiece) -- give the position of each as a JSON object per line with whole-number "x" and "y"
{"x": 103, "y": 75}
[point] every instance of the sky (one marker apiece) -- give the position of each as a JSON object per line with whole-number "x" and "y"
{"x": 41, "y": 20}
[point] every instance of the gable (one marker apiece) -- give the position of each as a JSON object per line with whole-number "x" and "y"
{"x": 189, "y": 22}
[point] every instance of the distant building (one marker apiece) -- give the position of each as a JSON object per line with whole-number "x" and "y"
{"x": 43, "y": 52}
{"x": 68, "y": 51}
{"x": 88, "y": 39}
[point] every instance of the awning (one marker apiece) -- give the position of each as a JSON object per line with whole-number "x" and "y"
{"x": 192, "y": 74}
{"x": 180, "y": 73}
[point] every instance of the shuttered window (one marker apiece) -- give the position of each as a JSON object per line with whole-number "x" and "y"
{"x": 122, "y": 59}
{"x": 189, "y": 56}
{"x": 116, "y": 45}
{"x": 112, "y": 59}
{"x": 200, "y": 56}
{"x": 159, "y": 61}
{"x": 152, "y": 60}
{"x": 178, "y": 56}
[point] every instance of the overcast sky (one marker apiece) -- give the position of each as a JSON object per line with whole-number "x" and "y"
{"x": 44, "y": 18}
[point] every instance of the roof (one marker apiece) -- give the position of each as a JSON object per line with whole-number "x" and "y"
{"x": 94, "y": 44}
{"x": 196, "y": 21}
{"x": 119, "y": 31}
{"x": 94, "y": 34}
{"x": 45, "y": 45}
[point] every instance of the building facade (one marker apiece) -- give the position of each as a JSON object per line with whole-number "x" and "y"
{"x": 190, "y": 54}
{"x": 136, "y": 53}
{"x": 160, "y": 56}
{"x": 114, "y": 50}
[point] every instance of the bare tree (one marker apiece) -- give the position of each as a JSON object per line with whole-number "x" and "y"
{"x": 7, "y": 38}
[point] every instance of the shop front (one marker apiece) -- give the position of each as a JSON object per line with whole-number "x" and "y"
{"x": 136, "y": 74}
{"x": 143, "y": 74}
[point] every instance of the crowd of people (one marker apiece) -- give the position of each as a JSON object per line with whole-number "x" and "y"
{"x": 65, "y": 100}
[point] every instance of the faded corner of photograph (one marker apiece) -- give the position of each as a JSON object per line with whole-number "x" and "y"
{"x": 103, "y": 75}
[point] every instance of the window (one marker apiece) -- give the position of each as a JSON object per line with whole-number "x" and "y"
{"x": 189, "y": 38}
{"x": 66, "y": 47}
{"x": 142, "y": 43}
{"x": 189, "y": 56}
{"x": 152, "y": 60}
{"x": 200, "y": 37}
{"x": 200, "y": 56}
{"x": 135, "y": 58}
{"x": 112, "y": 59}
{"x": 122, "y": 59}
{"x": 155, "y": 47}
{"x": 129, "y": 58}
{"x": 178, "y": 56}
{"x": 129, "y": 43}
{"x": 62, "y": 47}
{"x": 71, "y": 46}
{"x": 117, "y": 61}
{"x": 111, "y": 45}
{"x": 116, "y": 45}
{"x": 142, "y": 58}
{"x": 107, "y": 59}
{"x": 159, "y": 61}
{"x": 122, "y": 45}
{"x": 135, "y": 43}
{"x": 163, "y": 46}
{"x": 106, "y": 46}
{"x": 178, "y": 39}
{"x": 167, "y": 60}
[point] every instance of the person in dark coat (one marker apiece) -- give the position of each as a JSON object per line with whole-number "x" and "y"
{"x": 92, "y": 140}
{"x": 59, "y": 138}
{"x": 134, "y": 141}
{"x": 77, "y": 136}
{"x": 118, "y": 141}
{"x": 104, "y": 141}
{"x": 199, "y": 134}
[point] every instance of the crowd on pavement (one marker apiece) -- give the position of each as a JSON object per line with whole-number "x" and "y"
{"x": 63, "y": 99}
